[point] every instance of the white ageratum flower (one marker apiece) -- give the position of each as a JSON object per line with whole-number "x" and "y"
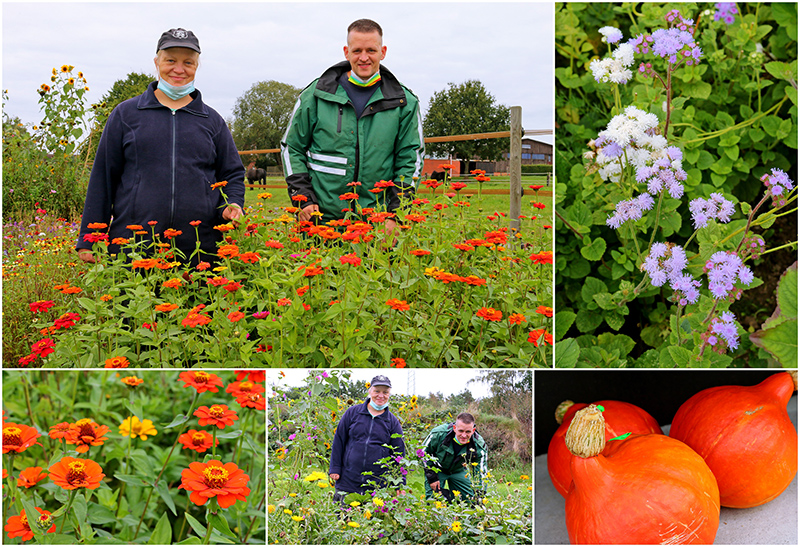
{"x": 629, "y": 139}
{"x": 630, "y": 127}
{"x": 612, "y": 35}
{"x": 615, "y": 69}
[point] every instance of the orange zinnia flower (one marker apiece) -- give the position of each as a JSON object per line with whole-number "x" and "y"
{"x": 85, "y": 433}
{"x": 312, "y": 271}
{"x": 473, "y": 280}
{"x": 350, "y": 258}
{"x": 144, "y": 263}
{"x": 300, "y": 292}
{"x": 398, "y": 362}
{"x": 172, "y": 283}
{"x": 535, "y": 337}
{"x": 252, "y": 400}
{"x": 545, "y": 257}
{"x": 250, "y": 257}
{"x": 169, "y": 233}
{"x": 420, "y": 252}
{"x": 18, "y": 437}
{"x": 516, "y": 319}
{"x": 166, "y": 306}
{"x": 235, "y": 316}
{"x": 220, "y": 184}
{"x": 226, "y": 482}
{"x": 18, "y": 526}
{"x": 195, "y": 319}
{"x": 242, "y": 388}
{"x": 60, "y": 431}
{"x": 545, "y": 310}
{"x": 117, "y": 362}
{"x": 490, "y": 314}
{"x": 71, "y": 473}
{"x": 228, "y": 251}
{"x": 217, "y": 415}
{"x": 199, "y": 441}
{"x": 201, "y": 380}
{"x": 252, "y": 375}
{"x": 31, "y": 476}
{"x": 399, "y": 305}
{"x": 132, "y": 381}
{"x": 284, "y": 302}
{"x": 97, "y": 225}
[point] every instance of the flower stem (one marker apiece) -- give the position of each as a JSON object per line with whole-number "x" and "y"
{"x": 69, "y": 504}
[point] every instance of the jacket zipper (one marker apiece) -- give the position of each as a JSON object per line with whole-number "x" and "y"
{"x": 172, "y": 195}
{"x": 339, "y": 123}
{"x": 366, "y": 444}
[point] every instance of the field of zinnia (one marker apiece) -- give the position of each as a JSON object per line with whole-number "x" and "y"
{"x": 156, "y": 457}
{"x": 458, "y": 287}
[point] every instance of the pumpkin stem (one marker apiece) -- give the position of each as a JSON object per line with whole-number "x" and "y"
{"x": 586, "y": 435}
{"x": 793, "y": 374}
{"x": 561, "y": 410}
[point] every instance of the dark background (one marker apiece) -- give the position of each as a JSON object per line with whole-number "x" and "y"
{"x": 659, "y": 392}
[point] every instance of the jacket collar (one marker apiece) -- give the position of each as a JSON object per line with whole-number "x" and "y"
{"x": 390, "y": 86}
{"x": 449, "y": 439}
{"x": 148, "y": 100}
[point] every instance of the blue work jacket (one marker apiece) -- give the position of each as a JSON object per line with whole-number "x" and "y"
{"x": 158, "y": 164}
{"x": 357, "y": 446}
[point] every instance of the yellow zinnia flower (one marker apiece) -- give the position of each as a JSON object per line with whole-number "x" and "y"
{"x": 353, "y": 524}
{"x": 456, "y": 526}
{"x": 297, "y": 518}
{"x": 132, "y": 427}
{"x": 378, "y": 502}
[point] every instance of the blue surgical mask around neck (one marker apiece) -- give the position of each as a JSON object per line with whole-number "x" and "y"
{"x": 376, "y": 407}
{"x": 175, "y": 92}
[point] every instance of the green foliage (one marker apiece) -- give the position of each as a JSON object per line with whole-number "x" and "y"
{"x": 261, "y": 115}
{"x": 734, "y": 116}
{"x": 537, "y": 169}
{"x": 778, "y": 335}
{"x": 463, "y": 109}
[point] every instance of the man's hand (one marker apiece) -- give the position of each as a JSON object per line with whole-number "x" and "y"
{"x": 86, "y": 256}
{"x": 233, "y": 213}
{"x": 435, "y": 486}
{"x": 305, "y": 212}
{"x": 335, "y": 476}
{"x": 389, "y": 227}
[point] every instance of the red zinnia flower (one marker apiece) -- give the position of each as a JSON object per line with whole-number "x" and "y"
{"x": 284, "y": 302}
{"x": 71, "y": 473}
{"x": 473, "y": 280}
{"x": 490, "y": 314}
{"x": 300, "y": 292}
{"x": 300, "y": 198}
{"x": 169, "y": 233}
{"x": 545, "y": 257}
{"x": 199, "y": 441}
{"x": 217, "y": 415}
{"x": 516, "y": 319}
{"x": 228, "y": 251}
{"x": 195, "y": 319}
{"x": 250, "y": 257}
{"x": 97, "y": 225}
{"x": 67, "y": 320}
{"x": 85, "y": 433}
{"x": 226, "y": 482}
{"x": 348, "y": 196}
{"x": 398, "y": 362}
{"x": 233, "y": 286}
{"x": 311, "y": 271}
{"x": 41, "y": 305}
{"x": 535, "y": 337}
{"x": 238, "y": 389}
{"x": 235, "y": 316}
{"x": 30, "y": 476}
{"x": 218, "y": 281}
{"x": 43, "y": 347}
{"x": 458, "y": 185}
{"x": 201, "y": 380}
{"x": 252, "y": 400}
{"x": 399, "y": 305}
{"x": 18, "y": 437}
{"x": 274, "y": 244}
{"x": 117, "y": 362}
{"x": 545, "y": 310}
{"x": 350, "y": 258}
{"x": 18, "y": 526}
{"x": 60, "y": 431}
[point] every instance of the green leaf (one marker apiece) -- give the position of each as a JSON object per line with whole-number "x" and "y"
{"x": 787, "y": 292}
{"x": 180, "y": 419}
{"x": 780, "y": 342}
{"x": 674, "y": 356}
{"x": 220, "y": 523}
{"x": 163, "y": 490}
{"x": 563, "y": 321}
{"x": 162, "y": 535}
{"x": 592, "y": 287}
{"x": 593, "y": 250}
{"x": 198, "y": 528}
{"x": 567, "y": 353}
{"x": 132, "y": 479}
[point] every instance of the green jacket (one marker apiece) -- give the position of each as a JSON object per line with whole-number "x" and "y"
{"x": 326, "y": 146}
{"x": 440, "y": 444}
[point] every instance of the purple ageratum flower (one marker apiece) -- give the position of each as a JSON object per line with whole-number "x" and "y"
{"x": 687, "y": 289}
{"x": 664, "y": 174}
{"x": 611, "y": 35}
{"x": 726, "y": 12}
{"x": 778, "y": 185}
{"x": 714, "y": 208}
{"x": 723, "y": 269}
{"x": 631, "y": 209}
{"x": 722, "y": 333}
{"x": 665, "y": 262}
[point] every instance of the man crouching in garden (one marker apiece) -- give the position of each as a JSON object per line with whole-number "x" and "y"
{"x": 460, "y": 463}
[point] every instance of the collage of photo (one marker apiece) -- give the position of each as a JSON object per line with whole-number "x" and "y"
{"x": 518, "y": 273}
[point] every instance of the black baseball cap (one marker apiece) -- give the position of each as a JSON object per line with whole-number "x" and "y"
{"x": 178, "y": 37}
{"x": 381, "y": 380}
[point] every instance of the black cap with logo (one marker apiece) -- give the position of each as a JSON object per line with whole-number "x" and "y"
{"x": 178, "y": 37}
{"x": 381, "y": 380}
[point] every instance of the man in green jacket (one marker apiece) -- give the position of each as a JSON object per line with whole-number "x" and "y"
{"x": 461, "y": 457}
{"x": 354, "y": 124}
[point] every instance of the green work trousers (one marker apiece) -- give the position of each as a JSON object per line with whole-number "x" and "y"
{"x": 458, "y": 481}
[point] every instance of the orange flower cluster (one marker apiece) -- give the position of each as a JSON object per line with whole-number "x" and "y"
{"x": 545, "y": 257}
{"x": 84, "y": 434}
{"x": 30, "y": 477}
{"x": 195, "y": 318}
{"x": 537, "y": 335}
{"x": 399, "y": 305}
{"x": 218, "y": 415}
{"x": 18, "y": 437}
{"x": 199, "y": 441}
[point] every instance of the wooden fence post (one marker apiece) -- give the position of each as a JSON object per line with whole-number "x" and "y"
{"x": 515, "y": 168}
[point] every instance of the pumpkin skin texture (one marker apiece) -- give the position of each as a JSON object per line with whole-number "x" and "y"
{"x": 645, "y": 489}
{"x": 620, "y": 418}
{"x": 745, "y": 436}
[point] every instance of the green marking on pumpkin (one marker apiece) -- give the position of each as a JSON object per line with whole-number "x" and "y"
{"x": 600, "y": 408}
{"x": 622, "y": 437}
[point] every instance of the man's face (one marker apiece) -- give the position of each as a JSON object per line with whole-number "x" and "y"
{"x": 365, "y": 51}
{"x": 379, "y": 394}
{"x": 463, "y": 431}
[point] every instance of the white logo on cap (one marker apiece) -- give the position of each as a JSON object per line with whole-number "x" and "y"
{"x": 180, "y": 34}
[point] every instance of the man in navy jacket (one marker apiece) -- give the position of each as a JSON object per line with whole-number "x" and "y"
{"x": 360, "y": 436}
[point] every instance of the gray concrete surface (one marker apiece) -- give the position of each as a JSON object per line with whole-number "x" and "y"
{"x": 774, "y": 523}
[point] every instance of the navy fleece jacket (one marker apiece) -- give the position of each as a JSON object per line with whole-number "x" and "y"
{"x": 156, "y": 164}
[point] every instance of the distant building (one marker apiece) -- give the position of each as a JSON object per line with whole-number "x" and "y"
{"x": 533, "y": 152}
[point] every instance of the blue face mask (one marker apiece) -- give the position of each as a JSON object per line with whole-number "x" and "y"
{"x": 376, "y": 407}
{"x": 175, "y": 92}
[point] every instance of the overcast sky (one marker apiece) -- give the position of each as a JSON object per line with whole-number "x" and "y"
{"x": 507, "y": 46}
{"x": 447, "y": 381}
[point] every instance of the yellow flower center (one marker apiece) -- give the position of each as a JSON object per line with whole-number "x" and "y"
{"x": 12, "y": 435}
{"x": 85, "y": 427}
{"x": 198, "y": 438}
{"x": 216, "y": 411}
{"x": 201, "y": 377}
{"x": 24, "y": 521}
{"x": 215, "y": 476}
{"x": 77, "y": 472}
{"x": 246, "y": 386}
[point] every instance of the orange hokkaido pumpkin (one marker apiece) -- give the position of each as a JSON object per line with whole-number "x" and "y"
{"x": 644, "y": 489}
{"x": 620, "y": 418}
{"x": 745, "y": 436}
